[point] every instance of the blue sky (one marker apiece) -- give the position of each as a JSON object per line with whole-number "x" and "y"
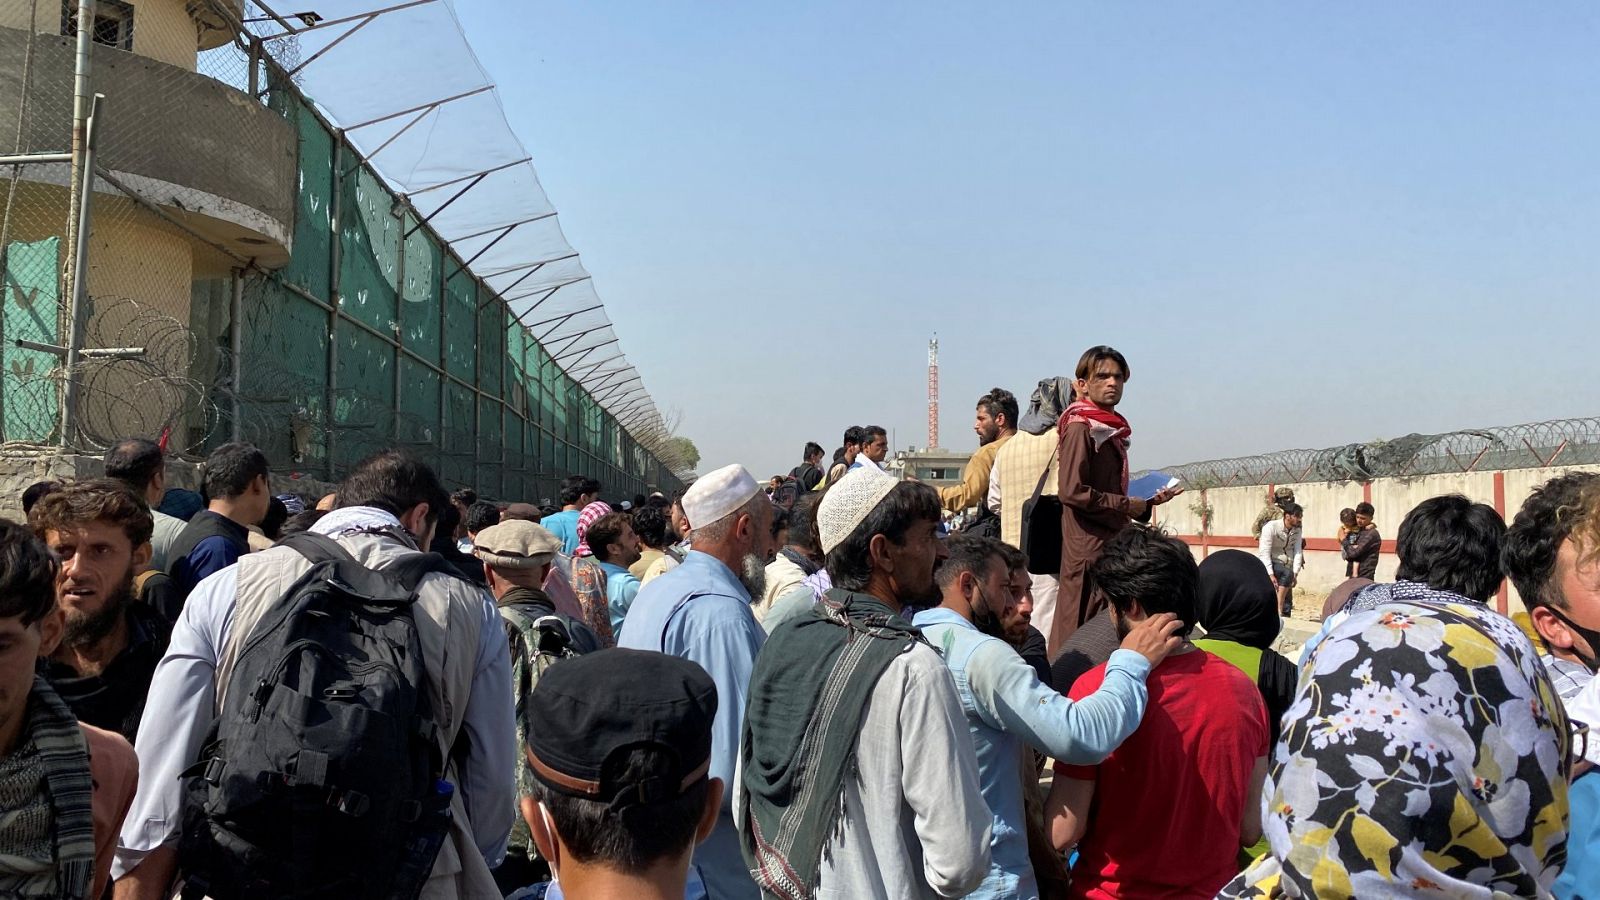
{"x": 1305, "y": 224}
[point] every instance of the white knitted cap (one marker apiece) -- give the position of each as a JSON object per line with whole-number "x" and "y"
{"x": 848, "y": 503}
{"x": 716, "y": 494}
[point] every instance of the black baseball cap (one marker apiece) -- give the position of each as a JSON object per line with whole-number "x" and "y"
{"x": 587, "y": 710}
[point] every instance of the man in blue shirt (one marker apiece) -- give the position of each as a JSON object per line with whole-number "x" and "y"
{"x": 237, "y": 495}
{"x": 616, "y": 547}
{"x": 700, "y": 611}
{"x": 577, "y": 491}
{"x": 1008, "y": 707}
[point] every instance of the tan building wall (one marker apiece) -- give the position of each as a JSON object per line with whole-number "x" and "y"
{"x": 1234, "y": 510}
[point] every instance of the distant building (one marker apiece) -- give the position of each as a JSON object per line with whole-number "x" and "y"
{"x": 936, "y": 466}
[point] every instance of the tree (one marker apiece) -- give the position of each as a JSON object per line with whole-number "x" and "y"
{"x": 681, "y": 452}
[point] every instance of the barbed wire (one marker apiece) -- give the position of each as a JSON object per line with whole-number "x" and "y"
{"x": 1563, "y": 442}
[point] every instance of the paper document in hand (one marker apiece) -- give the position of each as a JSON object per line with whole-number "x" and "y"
{"x": 1146, "y": 486}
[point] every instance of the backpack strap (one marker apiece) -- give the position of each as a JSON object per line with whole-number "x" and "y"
{"x": 410, "y": 570}
{"x": 317, "y": 548}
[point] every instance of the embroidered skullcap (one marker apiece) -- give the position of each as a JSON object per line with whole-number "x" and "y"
{"x": 516, "y": 544}
{"x": 718, "y": 494}
{"x": 848, "y": 503}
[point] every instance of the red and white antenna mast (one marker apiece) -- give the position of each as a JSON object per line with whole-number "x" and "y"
{"x": 933, "y": 391}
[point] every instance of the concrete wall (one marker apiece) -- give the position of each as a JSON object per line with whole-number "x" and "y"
{"x": 224, "y": 156}
{"x": 21, "y": 467}
{"x": 1234, "y": 510}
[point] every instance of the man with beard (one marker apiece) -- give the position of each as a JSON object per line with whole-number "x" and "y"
{"x": 858, "y": 777}
{"x": 111, "y": 644}
{"x": 700, "y": 611}
{"x": 1007, "y": 707}
{"x": 64, "y": 785}
{"x": 995, "y": 424}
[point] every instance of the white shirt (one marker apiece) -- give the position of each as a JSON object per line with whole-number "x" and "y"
{"x": 182, "y": 703}
{"x": 1281, "y": 545}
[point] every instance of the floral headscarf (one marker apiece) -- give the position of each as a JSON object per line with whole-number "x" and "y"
{"x": 1425, "y": 755}
{"x": 589, "y": 516}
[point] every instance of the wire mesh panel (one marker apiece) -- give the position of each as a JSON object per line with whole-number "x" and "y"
{"x": 254, "y": 271}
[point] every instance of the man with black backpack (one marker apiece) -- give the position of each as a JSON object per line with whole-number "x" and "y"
{"x": 809, "y": 473}
{"x": 333, "y": 717}
{"x": 517, "y": 556}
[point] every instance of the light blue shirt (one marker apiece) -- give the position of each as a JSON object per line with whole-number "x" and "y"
{"x": 1582, "y": 873}
{"x": 621, "y": 588}
{"x": 1007, "y": 706}
{"x": 701, "y": 612}
{"x": 182, "y": 701}
{"x": 563, "y": 525}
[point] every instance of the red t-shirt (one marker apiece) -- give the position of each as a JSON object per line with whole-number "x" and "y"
{"x": 1168, "y": 803}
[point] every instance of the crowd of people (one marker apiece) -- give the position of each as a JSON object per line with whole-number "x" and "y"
{"x": 808, "y": 687}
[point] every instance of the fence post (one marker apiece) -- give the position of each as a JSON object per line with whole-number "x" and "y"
{"x": 236, "y": 350}
{"x": 79, "y": 297}
{"x": 336, "y": 258}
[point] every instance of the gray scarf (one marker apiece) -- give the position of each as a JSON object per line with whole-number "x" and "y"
{"x": 53, "y": 756}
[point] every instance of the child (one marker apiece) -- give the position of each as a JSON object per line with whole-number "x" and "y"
{"x": 1347, "y": 533}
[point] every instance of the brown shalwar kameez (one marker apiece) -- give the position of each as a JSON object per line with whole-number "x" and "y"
{"x": 1093, "y": 509}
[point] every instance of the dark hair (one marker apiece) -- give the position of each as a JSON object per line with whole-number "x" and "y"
{"x": 272, "y": 522}
{"x": 1293, "y": 509}
{"x": 1097, "y": 354}
{"x": 136, "y": 461}
{"x": 855, "y": 434}
{"x": 1156, "y": 570}
{"x": 231, "y": 468}
{"x": 575, "y": 486}
{"x": 301, "y": 521}
{"x": 96, "y": 500}
{"x": 635, "y": 837}
{"x": 394, "y": 481}
{"x": 1528, "y": 551}
{"x": 1365, "y": 509}
{"x": 480, "y": 515}
{"x": 838, "y": 455}
{"x": 27, "y": 574}
{"x": 1451, "y": 544}
{"x": 780, "y": 520}
{"x": 812, "y": 449}
{"x": 465, "y": 497}
{"x": 1000, "y": 401}
{"x": 650, "y": 524}
{"x": 38, "y": 490}
{"x": 868, "y": 432}
{"x": 907, "y": 503}
{"x": 803, "y": 523}
{"x": 638, "y": 500}
{"x": 1016, "y": 560}
{"x": 603, "y": 532}
{"x": 1347, "y": 516}
{"x": 969, "y": 553}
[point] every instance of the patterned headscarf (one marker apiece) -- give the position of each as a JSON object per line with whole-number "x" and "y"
{"x": 1425, "y": 755}
{"x": 589, "y": 516}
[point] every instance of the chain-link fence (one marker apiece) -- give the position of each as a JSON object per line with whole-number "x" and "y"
{"x": 1567, "y": 442}
{"x": 251, "y": 274}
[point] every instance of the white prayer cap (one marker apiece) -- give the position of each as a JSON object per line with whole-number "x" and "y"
{"x": 848, "y": 503}
{"x": 716, "y": 494}
{"x": 1585, "y": 708}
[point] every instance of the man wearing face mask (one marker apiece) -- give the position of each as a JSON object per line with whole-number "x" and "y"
{"x": 1542, "y": 555}
{"x": 1007, "y": 706}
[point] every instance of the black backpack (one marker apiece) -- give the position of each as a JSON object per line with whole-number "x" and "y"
{"x": 322, "y": 775}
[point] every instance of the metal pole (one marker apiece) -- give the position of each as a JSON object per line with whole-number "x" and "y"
{"x": 335, "y": 262}
{"x": 80, "y": 130}
{"x": 78, "y": 310}
{"x": 236, "y": 347}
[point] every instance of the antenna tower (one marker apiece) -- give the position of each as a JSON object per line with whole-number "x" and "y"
{"x": 933, "y": 391}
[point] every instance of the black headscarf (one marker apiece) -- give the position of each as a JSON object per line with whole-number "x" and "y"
{"x": 1236, "y": 601}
